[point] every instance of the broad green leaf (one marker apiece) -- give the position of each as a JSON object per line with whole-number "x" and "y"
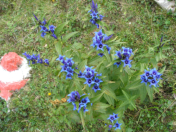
{"x": 82, "y": 65}
{"x": 67, "y": 36}
{"x": 124, "y": 77}
{"x": 125, "y": 94}
{"x": 112, "y": 62}
{"x": 59, "y": 28}
{"x": 162, "y": 70}
{"x": 95, "y": 60}
{"x": 107, "y": 56}
{"x": 143, "y": 93}
{"x": 134, "y": 85}
{"x": 82, "y": 118}
{"x": 100, "y": 106}
{"x": 53, "y": 60}
{"x": 58, "y": 47}
{"x": 109, "y": 99}
{"x": 109, "y": 92}
{"x": 77, "y": 46}
{"x": 150, "y": 92}
{"x": 132, "y": 102}
{"x": 96, "y": 98}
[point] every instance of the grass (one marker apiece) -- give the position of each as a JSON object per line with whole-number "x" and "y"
{"x": 134, "y": 22}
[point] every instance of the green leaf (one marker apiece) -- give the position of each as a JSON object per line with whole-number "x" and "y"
{"x": 109, "y": 92}
{"x": 53, "y": 60}
{"x": 95, "y": 60}
{"x": 66, "y": 37}
{"x": 100, "y": 107}
{"x": 58, "y": 47}
{"x": 82, "y": 118}
{"x": 126, "y": 95}
{"x": 124, "y": 77}
{"x": 112, "y": 62}
{"x": 135, "y": 85}
{"x": 109, "y": 99}
{"x": 96, "y": 98}
{"x": 143, "y": 93}
{"x": 162, "y": 70}
{"x": 59, "y": 28}
{"x": 82, "y": 65}
{"x": 150, "y": 92}
{"x": 77, "y": 46}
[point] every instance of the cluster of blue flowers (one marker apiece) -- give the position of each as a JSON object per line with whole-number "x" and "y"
{"x": 152, "y": 76}
{"x": 67, "y": 67}
{"x": 113, "y": 118}
{"x": 75, "y": 97}
{"x": 98, "y": 41}
{"x": 44, "y": 30}
{"x": 91, "y": 78}
{"x": 124, "y": 55}
{"x": 35, "y": 59}
{"x": 94, "y": 14}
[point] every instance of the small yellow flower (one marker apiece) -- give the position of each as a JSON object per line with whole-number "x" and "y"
{"x": 49, "y": 94}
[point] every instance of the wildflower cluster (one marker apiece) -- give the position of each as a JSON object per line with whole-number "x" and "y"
{"x": 44, "y": 30}
{"x": 124, "y": 55}
{"x": 152, "y": 77}
{"x": 91, "y": 78}
{"x": 35, "y": 59}
{"x": 98, "y": 41}
{"x": 75, "y": 97}
{"x": 113, "y": 118}
{"x": 94, "y": 14}
{"x": 67, "y": 67}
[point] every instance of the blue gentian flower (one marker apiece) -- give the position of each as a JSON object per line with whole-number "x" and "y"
{"x": 51, "y": 28}
{"x": 69, "y": 75}
{"x": 97, "y": 80}
{"x": 46, "y": 61}
{"x": 83, "y": 104}
{"x": 108, "y": 48}
{"x": 80, "y": 75}
{"x": 151, "y": 76}
{"x": 44, "y": 21}
{"x": 100, "y": 46}
{"x": 44, "y": 29}
{"x": 106, "y": 38}
{"x": 144, "y": 79}
{"x": 126, "y": 62}
{"x": 153, "y": 82}
{"x": 53, "y": 35}
{"x": 115, "y": 116}
{"x": 101, "y": 54}
{"x": 74, "y": 96}
{"x": 95, "y": 15}
{"x": 99, "y": 74}
{"x": 61, "y": 58}
{"x": 39, "y": 61}
{"x": 117, "y": 64}
{"x": 43, "y": 34}
{"x": 118, "y": 54}
{"x": 110, "y": 126}
{"x": 117, "y": 125}
{"x": 96, "y": 87}
{"x": 111, "y": 118}
{"x": 35, "y": 17}
{"x": 89, "y": 82}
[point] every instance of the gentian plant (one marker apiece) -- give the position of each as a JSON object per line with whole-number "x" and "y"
{"x": 95, "y": 15}
{"x": 36, "y": 59}
{"x": 115, "y": 89}
{"x": 44, "y": 29}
